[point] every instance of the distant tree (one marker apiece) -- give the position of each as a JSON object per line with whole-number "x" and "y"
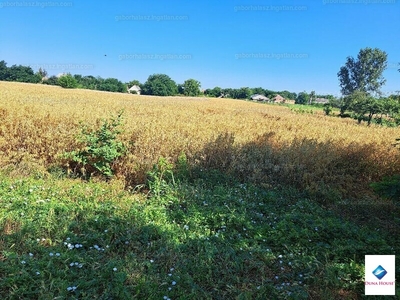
{"x": 52, "y": 80}
{"x": 3, "y": 70}
{"x": 67, "y": 81}
{"x": 258, "y": 90}
{"x": 312, "y": 97}
{"x": 112, "y": 85}
{"x": 302, "y": 98}
{"x": 133, "y": 82}
{"x": 180, "y": 89}
{"x": 215, "y": 92}
{"x": 42, "y": 73}
{"x": 159, "y": 85}
{"x": 22, "y": 74}
{"x": 191, "y": 87}
{"x": 364, "y": 106}
{"x": 287, "y": 95}
{"x": 364, "y": 73}
{"x": 270, "y": 94}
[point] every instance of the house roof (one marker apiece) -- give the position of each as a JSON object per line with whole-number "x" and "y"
{"x": 134, "y": 88}
{"x": 278, "y": 98}
{"x": 259, "y": 97}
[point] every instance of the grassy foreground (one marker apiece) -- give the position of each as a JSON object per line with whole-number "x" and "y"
{"x": 207, "y": 238}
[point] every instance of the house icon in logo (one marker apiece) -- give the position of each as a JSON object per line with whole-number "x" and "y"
{"x": 379, "y": 272}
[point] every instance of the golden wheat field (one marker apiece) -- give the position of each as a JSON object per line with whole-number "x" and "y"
{"x": 262, "y": 143}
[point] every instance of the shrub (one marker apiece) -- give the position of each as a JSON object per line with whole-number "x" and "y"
{"x": 67, "y": 81}
{"x": 101, "y": 149}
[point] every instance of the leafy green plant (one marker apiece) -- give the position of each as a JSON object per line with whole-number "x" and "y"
{"x": 67, "y": 81}
{"x": 327, "y": 109}
{"x": 101, "y": 148}
{"x": 160, "y": 177}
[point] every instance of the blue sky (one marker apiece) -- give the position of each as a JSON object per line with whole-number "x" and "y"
{"x": 278, "y": 45}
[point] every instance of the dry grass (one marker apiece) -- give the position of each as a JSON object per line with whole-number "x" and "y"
{"x": 263, "y": 143}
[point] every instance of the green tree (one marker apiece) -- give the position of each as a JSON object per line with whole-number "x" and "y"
{"x": 52, "y": 80}
{"x": 364, "y": 106}
{"x": 159, "y": 85}
{"x": 3, "y": 70}
{"x": 302, "y": 98}
{"x": 22, "y": 74}
{"x": 67, "y": 81}
{"x": 112, "y": 85}
{"x": 364, "y": 73}
{"x": 312, "y": 97}
{"x": 133, "y": 82}
{"x": 191, "y": 87}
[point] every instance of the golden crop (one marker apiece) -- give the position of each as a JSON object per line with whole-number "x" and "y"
{"x": 263, "y": 143}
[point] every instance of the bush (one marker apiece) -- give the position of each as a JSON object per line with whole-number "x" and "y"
{"x": 101, "y": 149}
{"x": 67, "y": 81}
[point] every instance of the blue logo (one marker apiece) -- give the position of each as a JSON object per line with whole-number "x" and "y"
{"x": 379, "y": 272}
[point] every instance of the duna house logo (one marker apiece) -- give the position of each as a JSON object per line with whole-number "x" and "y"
{"x": 379, "y": 272}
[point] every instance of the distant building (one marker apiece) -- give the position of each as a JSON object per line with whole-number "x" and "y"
{"x": 135, "y": 89}
{"x": 278, "y": 99}
{"x": 258, "y": 97}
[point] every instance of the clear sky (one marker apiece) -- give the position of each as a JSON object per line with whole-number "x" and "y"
{"x": 279, "y": 45}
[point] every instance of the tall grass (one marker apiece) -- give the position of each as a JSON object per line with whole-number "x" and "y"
{"x": 325, "y": 156}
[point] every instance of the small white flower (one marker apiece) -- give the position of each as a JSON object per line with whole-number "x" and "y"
{"x": 280, "y": 256}
{"x": 170, "y": 274}
{"x": 58, "y": 254}
{"x": 30, "y": 254}
{"x": 126, "y": 242}
{"x": 51, "y": 254}
{"x": 114, "y": 269}
{"x": 68, "y": 239}
{"x": 71, "y": 264}
{"x": 186, "y": 227}
{"x": 169, "y": 288}
{"x": 173, "y": 283}
{"x": 151, "y": 260}
{"x": 171, "y": 269}
{"x": 69, "y": 289}
{"x": 105, "y": 231}
{"x": 76, "y": 263}
{"x": 37, "y": 273}
{"x": 276, "y": 277}
{"x": 23, "y": 262}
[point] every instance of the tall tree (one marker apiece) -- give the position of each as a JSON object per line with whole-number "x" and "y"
{"x": 191, "y": 87}
{"x": 302, "y": 98}
{"x": 3, "y": 70}
{"x": 364, "y": 73}
{"x": 159, "y": 85}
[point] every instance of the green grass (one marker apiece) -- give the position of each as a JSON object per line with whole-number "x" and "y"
{"x": 207, "y": 238}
